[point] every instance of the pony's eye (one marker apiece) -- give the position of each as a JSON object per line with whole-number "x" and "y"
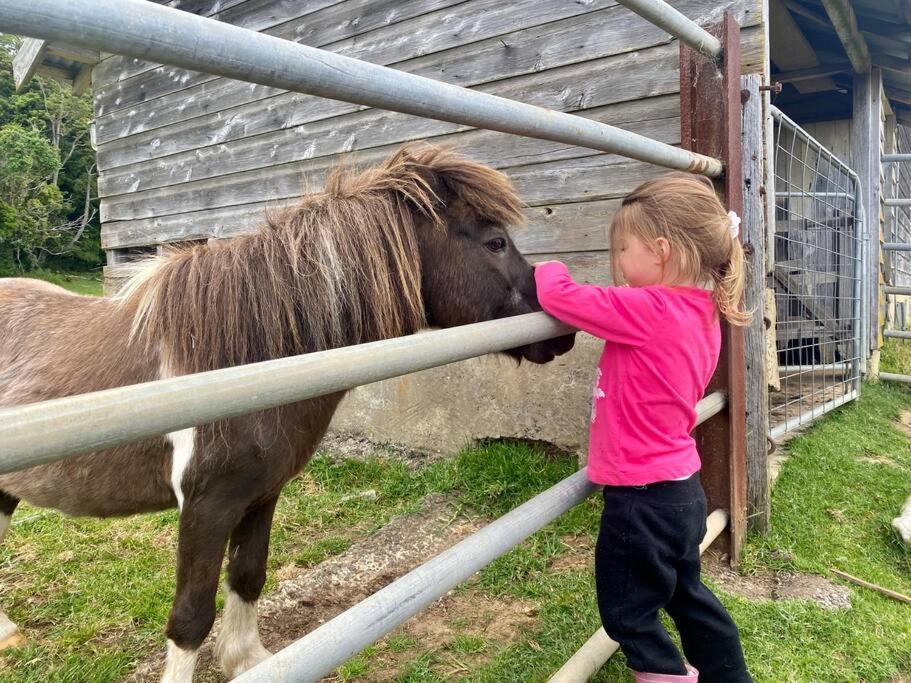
{"x": 496, "y": 244}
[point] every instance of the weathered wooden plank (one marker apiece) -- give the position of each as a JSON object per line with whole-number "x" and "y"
{"x": 293, "y": 109}
{"x": 792, "y": 50}
{"x": 283, "y": 180}
{"x": 866, "y": 163}
{"x": 255, "y": 15}
{"x": 58, "y": 73}
{"x": 754, "y": 237}
{"x": 472, "y": 65}
{"x": 400, "y": 32}
{"x": 574, "y": 39}
{"x": 565, "y": 89}
{"x": 588, "y": 267}
{"x": 83, "y": 79}
{"x": 27, "y": 60}
{"x": 555, "y": 228}
{"x": 73, "y": 52}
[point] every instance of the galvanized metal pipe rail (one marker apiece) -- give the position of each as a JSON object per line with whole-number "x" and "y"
{"x": 892, "y": 377}
{"x": 896, "y": 246}
{"x": 897, "y": 334}
{"x": 324, "y": 649}
{"x": 901, "y": 291}
{"x": 37, "y": 433}
{"x": 677, "y": 24}
{"x": 809, "y": 416}
{"x": 895, "y": 158}
{"x": 589, "y": 658}
{"x": 156, "y": 33}
{"x": 897, "y": 202}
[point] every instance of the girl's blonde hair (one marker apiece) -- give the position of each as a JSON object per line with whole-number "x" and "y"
{"x": 684, "y": 209}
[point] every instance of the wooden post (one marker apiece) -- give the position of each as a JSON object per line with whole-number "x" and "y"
{"x": 710, "y": 124}
{"x": 866, "y": 163}
{"x": 753, "y": 234}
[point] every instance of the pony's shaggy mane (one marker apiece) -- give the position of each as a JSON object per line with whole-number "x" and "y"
{"x": 341, "y": 267}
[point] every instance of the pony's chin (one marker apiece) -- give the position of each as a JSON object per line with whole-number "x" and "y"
{"x": 543, "y": 352}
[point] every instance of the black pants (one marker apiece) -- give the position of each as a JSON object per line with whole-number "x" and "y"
{"x": 647, "y": 558}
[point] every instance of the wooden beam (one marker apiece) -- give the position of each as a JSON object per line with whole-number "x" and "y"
{"x": 791, "y": 51}
{"x": 83, "y": 79}
{"x": 866, "y": 163}
{"x": 710, "y": 123}
{"x": 28, "y": 58}
{"x": 73, "y": 53}
{"x": 754, "y": 243}
{"x": 813, "y": 72}
{"x": 845, "y": 22}
{"x": 896, "y": 48}
{"x": 890, "y": 63}
{"x": 55, "y": 72}
{"x": 820, "y": 20}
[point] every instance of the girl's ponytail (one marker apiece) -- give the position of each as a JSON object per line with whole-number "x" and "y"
{"x": 728, "y": 280}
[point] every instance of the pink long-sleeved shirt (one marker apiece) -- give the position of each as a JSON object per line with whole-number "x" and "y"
{"x": 661, "y": 348}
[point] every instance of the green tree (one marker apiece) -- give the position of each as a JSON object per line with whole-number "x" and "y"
{"x": 47, "y": 173}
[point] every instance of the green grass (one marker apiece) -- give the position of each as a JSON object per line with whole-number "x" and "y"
{"x": 93, "y": 596}
{"x": 88, "y": 283}
{"x": 896, "y": 356}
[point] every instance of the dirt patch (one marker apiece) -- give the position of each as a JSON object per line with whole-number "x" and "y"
{"x": 580, "y": 554}
{"x": 340, "y": 447}
{"x": 463, "y": 630}
{"x": 903, "y": 424}
{"x": 306, "y": 598}
{"x": 769, "y": 585}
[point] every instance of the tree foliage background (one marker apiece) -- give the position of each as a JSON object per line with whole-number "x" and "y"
{"x": 48, "y": 192}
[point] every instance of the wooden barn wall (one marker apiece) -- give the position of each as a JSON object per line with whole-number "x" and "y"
{"x": 188, "y": 156}
{"x": 834, "y": 136}
{"x": 185, "y": 156}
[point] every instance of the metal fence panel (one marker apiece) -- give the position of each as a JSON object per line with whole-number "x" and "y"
{"x": 898, "y": 218}
{"x": 816, "y": 278}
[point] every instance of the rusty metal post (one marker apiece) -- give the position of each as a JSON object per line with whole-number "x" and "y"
{"x": 710, "y": 124}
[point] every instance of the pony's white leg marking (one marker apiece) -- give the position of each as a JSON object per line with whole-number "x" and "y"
{"x": 9, "y": 632}
{"x": 238, "y": 647}
{"x": 180, "y": 664}
{"x": 902, "y": 523}
{"x": 182, "y": 443}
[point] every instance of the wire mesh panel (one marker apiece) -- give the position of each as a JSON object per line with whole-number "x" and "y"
{"x": 816, "y": 280}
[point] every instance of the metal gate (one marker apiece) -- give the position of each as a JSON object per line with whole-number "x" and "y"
{"x": 817, "y": 280}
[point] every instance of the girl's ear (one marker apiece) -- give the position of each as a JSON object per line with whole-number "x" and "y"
{"x": 663, "y": 249}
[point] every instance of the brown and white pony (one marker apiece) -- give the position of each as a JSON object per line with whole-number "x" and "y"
{"x": 418, "y": 241}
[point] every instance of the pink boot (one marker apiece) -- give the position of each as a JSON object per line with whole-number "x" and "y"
{"x": 691, "y": 676}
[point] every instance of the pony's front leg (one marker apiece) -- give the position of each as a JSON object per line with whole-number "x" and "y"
{"x": 204, "y": 529}
{"x": 238, "y": 646}
{"x": 9, "y": 632}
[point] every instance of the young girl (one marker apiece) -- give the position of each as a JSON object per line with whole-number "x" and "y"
{"x": 676, "y": 248}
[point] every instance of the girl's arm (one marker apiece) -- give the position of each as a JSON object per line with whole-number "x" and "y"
{"x": 623, "y": 315}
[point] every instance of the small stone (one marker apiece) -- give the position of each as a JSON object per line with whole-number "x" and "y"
{"x": 66, "y": 556}
{"x": 369, "y": 494}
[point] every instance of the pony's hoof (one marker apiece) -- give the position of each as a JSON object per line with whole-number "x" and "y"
{"x": 246, "y": 661}
{"x": 9, "y": 634}
{"x": 902, "y": 526}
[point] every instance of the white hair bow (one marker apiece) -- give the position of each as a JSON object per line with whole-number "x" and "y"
{"x": 735, "y": 224}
